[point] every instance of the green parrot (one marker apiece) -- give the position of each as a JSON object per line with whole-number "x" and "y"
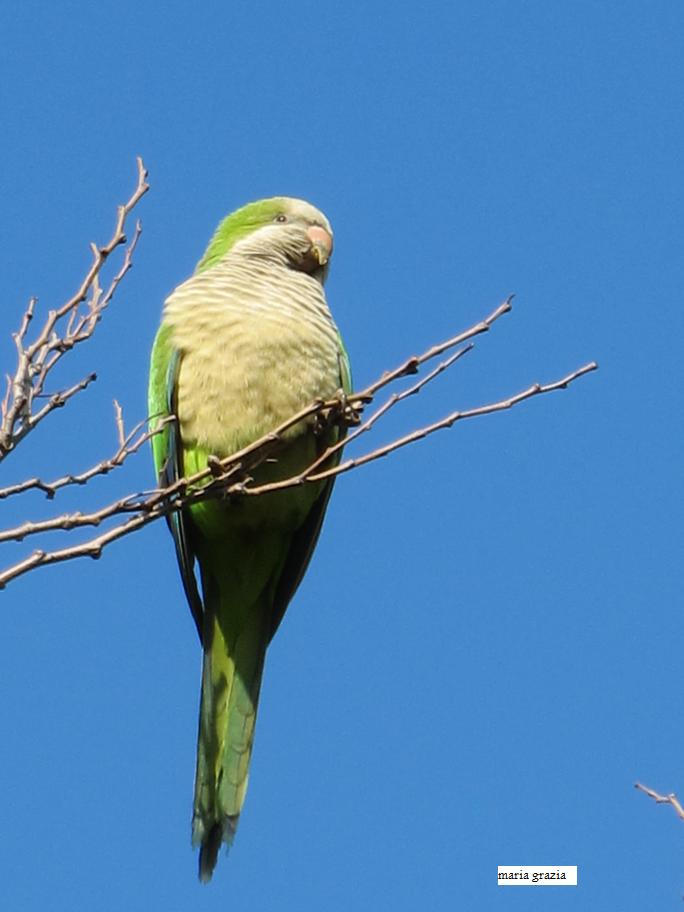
{"x": 244, "y": 344}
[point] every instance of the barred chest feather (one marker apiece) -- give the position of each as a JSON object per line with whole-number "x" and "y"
{"x": 258, "y": 343}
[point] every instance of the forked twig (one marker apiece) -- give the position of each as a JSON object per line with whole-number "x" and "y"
{"x": 63, "y": 329}
{"x": 662, "y": 799}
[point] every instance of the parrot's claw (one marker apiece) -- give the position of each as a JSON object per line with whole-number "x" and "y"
{"x": 344, "y": 411}
{"x": 350, "y": 409}
{"x": 214, "y": 466}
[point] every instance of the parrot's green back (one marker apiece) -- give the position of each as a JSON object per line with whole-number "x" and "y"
{"x": 244, "y": 344}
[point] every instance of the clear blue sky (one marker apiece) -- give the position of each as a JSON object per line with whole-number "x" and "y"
{"x": 487, "y": 650}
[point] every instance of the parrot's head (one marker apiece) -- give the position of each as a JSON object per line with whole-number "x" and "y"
{"x": 282, "y": 228}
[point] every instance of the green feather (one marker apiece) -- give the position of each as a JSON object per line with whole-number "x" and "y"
{"x": 238, "y": 225}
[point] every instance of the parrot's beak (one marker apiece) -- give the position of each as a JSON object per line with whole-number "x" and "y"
{"x": 321, "y": 243}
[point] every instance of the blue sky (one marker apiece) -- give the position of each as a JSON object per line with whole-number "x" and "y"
{"x": 486, "y": 652}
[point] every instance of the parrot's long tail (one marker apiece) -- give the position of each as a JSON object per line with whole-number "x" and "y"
{"x": 231, "y": 678}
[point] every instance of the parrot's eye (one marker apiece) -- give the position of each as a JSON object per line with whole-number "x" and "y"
{"x": 280, "y": 218}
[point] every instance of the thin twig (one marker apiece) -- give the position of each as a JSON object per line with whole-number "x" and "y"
{"x": 36, "y": 359}
{"x": 128, "y": 446}
{"x": 118, "y": 419}
{"x": 662, "y": 799}
{"x": 411, "y": 365}
{"x": 57, "y": 400}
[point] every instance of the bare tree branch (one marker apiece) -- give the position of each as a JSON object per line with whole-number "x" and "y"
{"x": 662, "y": 799}
{"x": 393, "y": 400}
{"x": 421, "y": 433}
{"x": 64, "y": 328}
{"x": 129, "y": 443}
{"x": 411, "y": 365}
{"x": 25, "y": 405}
{"x": 230, "y": 477}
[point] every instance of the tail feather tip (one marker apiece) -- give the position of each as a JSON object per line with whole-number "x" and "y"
{"x": 209, "y": 850}
{"x": 211, "y": 845}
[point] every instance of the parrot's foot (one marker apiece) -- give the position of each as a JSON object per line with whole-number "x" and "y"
{"x": 344, "y": 413}
{"x": 350, "y": 409}
{"x": 215, "y": 467}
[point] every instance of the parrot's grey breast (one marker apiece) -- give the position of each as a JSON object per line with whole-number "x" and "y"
{"x": 257, "y": 343}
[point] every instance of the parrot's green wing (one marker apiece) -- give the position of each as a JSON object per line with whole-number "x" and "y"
{"x": 168, "y": 459}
